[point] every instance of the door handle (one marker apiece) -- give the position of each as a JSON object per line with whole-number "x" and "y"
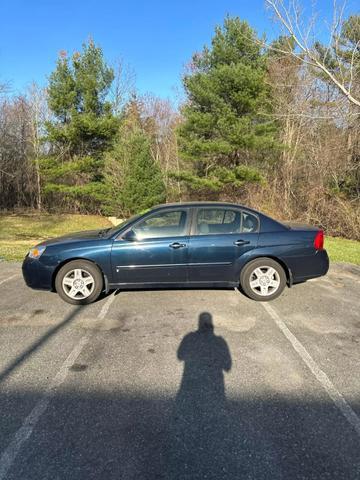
{"x": 177, "y": 245}
{"x": 239, "y": 243}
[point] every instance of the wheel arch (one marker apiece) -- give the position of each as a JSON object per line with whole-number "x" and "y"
{"x": 287, "y": 270}
{"x": 68, "y": 260}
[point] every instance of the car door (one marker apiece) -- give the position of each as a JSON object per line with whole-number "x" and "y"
{"x": 155, "y": 250}
{"x": 219, "y": 236}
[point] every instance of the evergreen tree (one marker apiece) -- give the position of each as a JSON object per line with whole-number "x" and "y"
{"x": 134, "y": 180}
{"x": 82, "y": 128}
{"x": 226, "y": 129}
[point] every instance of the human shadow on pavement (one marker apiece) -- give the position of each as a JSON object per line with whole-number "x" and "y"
{"x": 206, "y": 357}
{"x": 210, "y": 436}
{"x": 199, "y": 429}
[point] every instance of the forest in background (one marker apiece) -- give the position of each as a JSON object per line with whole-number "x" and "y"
{"x": 275, "y": 126}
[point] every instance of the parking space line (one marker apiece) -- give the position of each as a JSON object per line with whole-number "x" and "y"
{"x": 319, "y": 374}
{"x": 24, "y": 432}
{"x": 9, "y": 278}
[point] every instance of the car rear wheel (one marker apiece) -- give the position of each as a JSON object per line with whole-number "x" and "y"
{"x": 263, "y": 279}
{"x": 79, "y": 282}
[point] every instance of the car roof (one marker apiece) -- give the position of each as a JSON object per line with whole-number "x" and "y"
{"x": 195, "y": 204}
{"x": 202, "y": 203}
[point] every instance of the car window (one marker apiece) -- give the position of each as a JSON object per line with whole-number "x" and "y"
{"x": 217, "y": 220}
{"x": 122, "y": 225}
{"x": 163, "y": 224}
{"x": 250, "y": 223}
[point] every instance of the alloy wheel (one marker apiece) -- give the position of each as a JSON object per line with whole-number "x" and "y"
{"x": 78, "y": 284}
{"x": 264, "y": 280}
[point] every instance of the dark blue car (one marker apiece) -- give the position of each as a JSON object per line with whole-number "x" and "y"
{"x": 202, "y": 244}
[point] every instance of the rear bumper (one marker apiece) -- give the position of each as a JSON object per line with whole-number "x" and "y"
{"x": 36, "y": 274}
{"x": 309, "y": 266}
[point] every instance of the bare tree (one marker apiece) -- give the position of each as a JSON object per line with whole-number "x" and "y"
{"x": 16, "y": 154}
{"x": 161, "y": 120}
{"x": 339, "y": 71}
{"x": 39, "y": 114}
{"x": 123, "y": 86}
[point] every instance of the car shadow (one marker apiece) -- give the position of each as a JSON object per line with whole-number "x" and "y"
{"x": 171, "y": 289}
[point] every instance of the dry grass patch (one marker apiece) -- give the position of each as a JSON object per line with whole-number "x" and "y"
{"x": 18, "y": 233}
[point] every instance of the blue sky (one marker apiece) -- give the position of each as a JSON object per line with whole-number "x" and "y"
{"x": 156, "y": 38}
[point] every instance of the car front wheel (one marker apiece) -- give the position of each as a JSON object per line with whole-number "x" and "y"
{"x": 79, "y": 282}
{"x": 263, "y": 279}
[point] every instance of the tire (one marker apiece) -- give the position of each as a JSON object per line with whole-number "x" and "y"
{"x": 79, "y": 282}
{"x": 263, "y": 279}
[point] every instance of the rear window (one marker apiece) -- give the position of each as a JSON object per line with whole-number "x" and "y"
{"x": 217, "y": 221}
{"x": 250, "y": 223}
{"x": 213, "y": 221}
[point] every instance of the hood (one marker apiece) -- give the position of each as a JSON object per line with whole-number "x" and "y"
{"x": 75, "y": 237}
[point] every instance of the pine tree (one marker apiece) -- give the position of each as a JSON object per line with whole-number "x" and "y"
{"x": 226, "y": 129}
{"x": 81, "y": 130}
{"x": 134, "y": 180}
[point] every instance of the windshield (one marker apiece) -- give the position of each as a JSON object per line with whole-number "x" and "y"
{"x": 123, "y": 224}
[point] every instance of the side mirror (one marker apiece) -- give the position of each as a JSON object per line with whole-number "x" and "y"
{"x": 130, "y": 236}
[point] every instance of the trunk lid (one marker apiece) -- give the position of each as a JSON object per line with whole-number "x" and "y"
{"x": 301, "y": 227}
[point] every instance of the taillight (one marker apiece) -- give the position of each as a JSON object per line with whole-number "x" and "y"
{"x": 319, "y": 240}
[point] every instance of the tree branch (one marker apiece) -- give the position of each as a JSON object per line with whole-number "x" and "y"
{"x": 285, "y": 18}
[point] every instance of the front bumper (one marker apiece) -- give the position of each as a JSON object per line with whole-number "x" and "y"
{"x": 37, "y": 274}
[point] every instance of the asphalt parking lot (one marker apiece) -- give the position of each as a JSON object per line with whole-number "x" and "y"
{"x": 196, "y": 384}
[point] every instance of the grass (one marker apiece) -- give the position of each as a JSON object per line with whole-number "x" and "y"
{"x": 18, "y": 233}
{"x": 343, "y": 250}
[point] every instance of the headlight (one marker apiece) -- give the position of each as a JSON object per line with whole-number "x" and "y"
{"x": 36, "y": 252}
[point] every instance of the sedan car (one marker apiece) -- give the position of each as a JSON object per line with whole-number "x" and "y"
{"x": 202, "y": 244}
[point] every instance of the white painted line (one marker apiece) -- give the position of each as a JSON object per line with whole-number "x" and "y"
{"x": 9, "y": 455}
{"x": 9, "y": 278}
{"x": 319, "y": 374}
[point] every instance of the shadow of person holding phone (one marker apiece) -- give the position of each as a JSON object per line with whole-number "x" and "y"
{"x": 199, "y": 425}
{"x": 206, "y": 357}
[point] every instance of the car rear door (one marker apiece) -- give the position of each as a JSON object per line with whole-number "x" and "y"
{"x": 156, "y": 251}
{"x": 219, "y": 236}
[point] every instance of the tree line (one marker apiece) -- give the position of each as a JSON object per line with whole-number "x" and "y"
{"x": 272, "y": 125}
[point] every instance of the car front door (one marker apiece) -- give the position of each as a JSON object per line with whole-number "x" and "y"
{"x": 155, "y": 250}
{"x": 220, "y": 235}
